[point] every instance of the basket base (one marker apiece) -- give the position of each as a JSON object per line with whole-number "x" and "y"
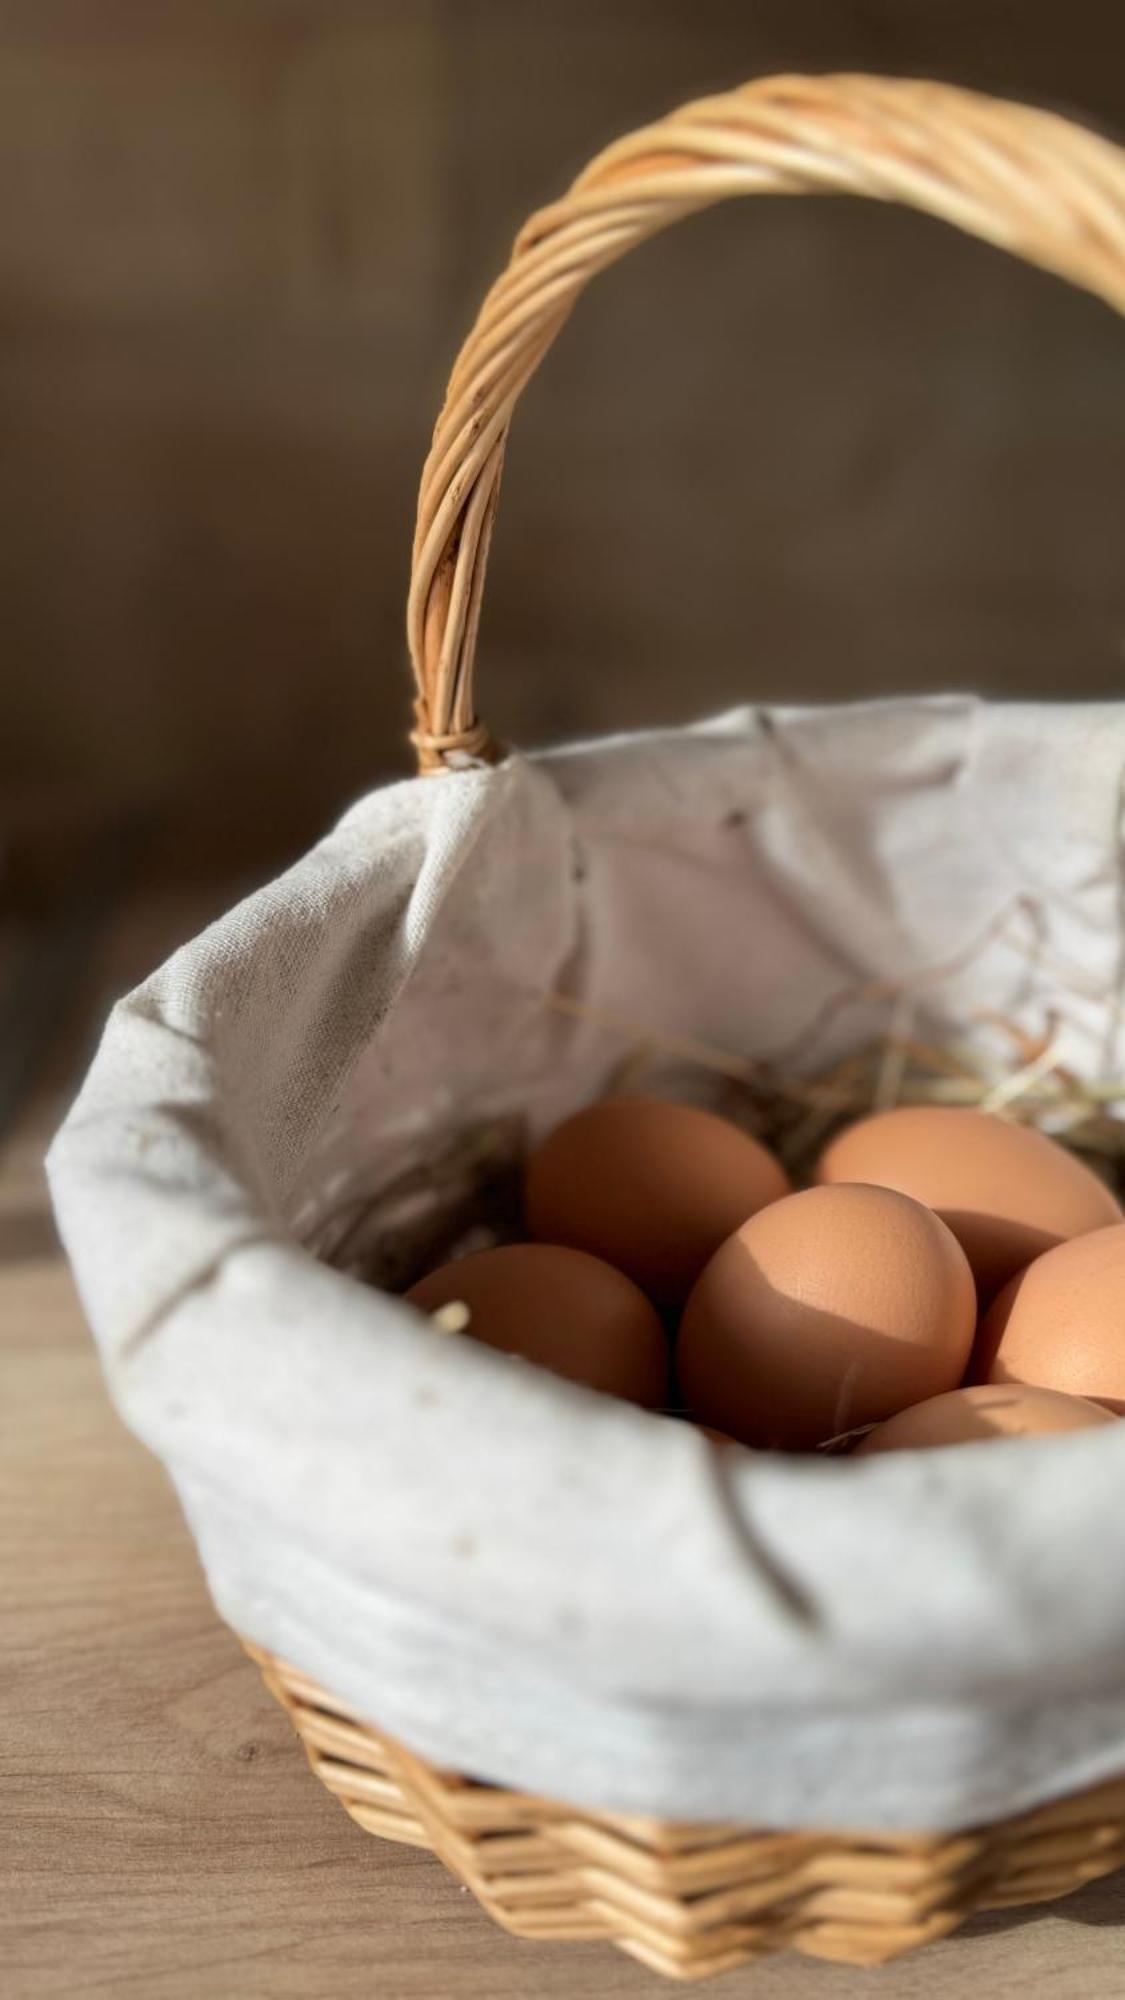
{"x": 689, "y": 1900}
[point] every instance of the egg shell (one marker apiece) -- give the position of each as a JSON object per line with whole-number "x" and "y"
{"x": 829, "y": 1309}
{"x": 562, "y": 1309}
{"x": 713, "y": 1436}
{"x": 651, "y": 1186}
{"x": 1060, "y": 1324}
{"x": 978, "y": 1415}
{"x": 1007, "y": 1191}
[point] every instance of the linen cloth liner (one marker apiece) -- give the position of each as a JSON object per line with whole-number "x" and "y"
{"x": 520, "y": 1579}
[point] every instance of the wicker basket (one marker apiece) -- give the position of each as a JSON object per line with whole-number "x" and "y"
{"x": 690, "y": 1900}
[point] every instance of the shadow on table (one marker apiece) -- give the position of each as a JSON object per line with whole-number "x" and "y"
{"x": 28, "y": 1236}
{"x": 1100, "y": 1905}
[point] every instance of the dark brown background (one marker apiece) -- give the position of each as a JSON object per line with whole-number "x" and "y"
{"x": 792, "y": 449}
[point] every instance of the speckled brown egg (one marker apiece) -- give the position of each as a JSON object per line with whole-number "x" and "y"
{"x": 978, "y": 1415}
{"x": 1007, "y": 1192}
{"x": 651, "y": 1186}
{"x": 831, "y": 1308}
{"x": 1060, "y": 1324}
{"x": 567, "y": 1311}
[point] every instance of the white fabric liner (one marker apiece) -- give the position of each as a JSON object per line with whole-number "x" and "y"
{"x": 519, "y": 1578}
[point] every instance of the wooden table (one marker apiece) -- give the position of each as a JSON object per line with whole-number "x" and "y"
{"x": 160, "y": 1834}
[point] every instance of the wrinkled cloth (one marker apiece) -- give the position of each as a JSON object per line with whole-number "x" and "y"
{"x": 521, "y": 1579}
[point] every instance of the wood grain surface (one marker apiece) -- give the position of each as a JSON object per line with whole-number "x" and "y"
{"x": 160, "y": 1834}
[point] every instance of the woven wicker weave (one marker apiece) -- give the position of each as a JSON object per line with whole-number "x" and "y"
{"x": 690, "y": 1900}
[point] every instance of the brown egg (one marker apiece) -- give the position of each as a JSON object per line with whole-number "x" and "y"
{"x": 832, "y": 1308}
{"x": 651, "y": 1186}
{"x": 1007, "y": 1192}
{"x": 973, "y": 1416}
{"x": 1061, "y": 1323}
{"x": 713, "y": 1436}
{"x": 569, "y": 1312}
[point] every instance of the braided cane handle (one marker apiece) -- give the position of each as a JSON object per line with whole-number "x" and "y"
{"x": 1026, "y": 180}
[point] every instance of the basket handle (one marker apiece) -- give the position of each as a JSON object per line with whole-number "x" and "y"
{"x": 1031, "y": 182}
